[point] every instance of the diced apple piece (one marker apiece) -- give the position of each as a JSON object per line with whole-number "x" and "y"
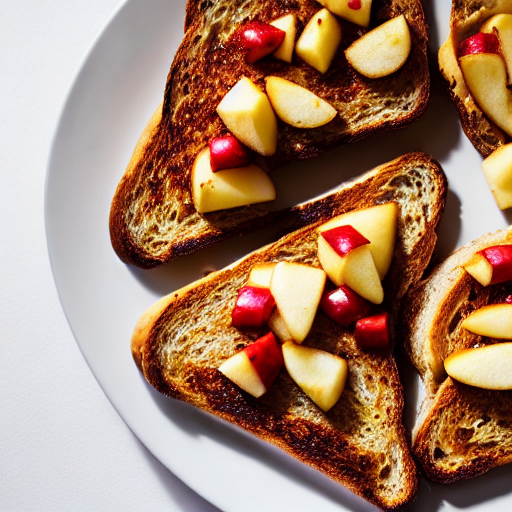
{"x": 259, "y": 39}
{"x": 278, "y": 327}
{"x": 227, "y": 152}
{"x": 492, "y": 265}
{"x": 248, "y": 115}
{"x": 483, "y": 367}
{"x": 319, "y": 41}
{"x": 373, "y": 331}
{"x": 346, "y": 258}
{"x": 344, "y": 306}
{"x": 256, "y": 367}
{"x": 379, "y": 225}
{"x": 229, "y": 188}
{"x": 297, "y": 290}
{"x": 319, "y": 374}
{"x": 288, "y": 24}
{"x": 356, "y": 11}
{"x": 253, "y": 307}
{"x": 494, "y": 321}
{"x": 503, "y": 24}
{"x": 486, "y": 77}
{"x": 297, "y": 106}
{"x": 261, "y": 275}
{"x": 497, "y": 169}
{"x": 381, "y": 51}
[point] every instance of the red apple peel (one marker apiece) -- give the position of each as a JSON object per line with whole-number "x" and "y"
{"x": 479, "y": 43}
{"x": 344, "y": 306}
{"x": 253, "y": 307}
{"x": 266, "y": 357}
{"x": 259, "y": 39}
{"x": 228, "y": 152}
{"x": 373, "y": 332}
{"x": 344, "y": 239}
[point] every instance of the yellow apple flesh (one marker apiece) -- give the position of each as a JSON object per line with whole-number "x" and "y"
{"x": 483, "y": 367}
{"x": 297, "y": 290}
{"x": 319, "y": 374}
{"x": 288, "y": 24}
{"x": 379, "y": 225}
{"x": 297, "y": 106}
{"x": 229, "y": 188}
{"x": 278, "y": 327}
{"x": 486, "y": 77}
{"x": 239, "y": 369}
{"x": 248, "y": 115}
{"x": 346, "y": 9}
{"x": 319, "y": 40}
{"x": 381, "y": 51}
{"x": 503, "y": 25}
{"x": 261, "y": 275}
{"x": 494, "y": 321}
{"x": 497, "y": 169}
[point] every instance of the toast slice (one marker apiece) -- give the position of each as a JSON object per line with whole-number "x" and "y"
{"x": 461, "y": 431}
{"x": 153, "y": 218}
{"x": 466, "y": 18}
{"x": 180, "y": 342}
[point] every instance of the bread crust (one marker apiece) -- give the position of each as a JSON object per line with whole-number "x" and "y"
{"x": 461, "y": 431}
{"x": 465, "y": 20}
{"x": 152, "y": 218}
{"x": 361, "y": 443}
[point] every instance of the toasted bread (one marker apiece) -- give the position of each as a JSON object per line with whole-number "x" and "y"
{"x": 461, "y": 431}
{"x": 466, "y": 18}
{"x": 361, "y": 443}
{"x": 153, "y": 218}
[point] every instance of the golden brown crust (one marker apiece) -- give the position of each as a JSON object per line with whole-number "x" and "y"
{"x": 153, "y": 218}
{"x": 361, "y": 442}
{"x": 465, "y": 20}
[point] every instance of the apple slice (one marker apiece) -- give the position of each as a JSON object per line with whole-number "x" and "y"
{"x": 373, "y": 331}
{"x": 248, "y": 115}
{"x": 479, "y": 43}
{"x": 356, "y": 11}
{"x": 227, "y": 152}
{"x": 502, "y": 23}
{"x": 259, "y": 39}
{"x": 379, "y": 225}
{"x": 288, "y": 24}
{"x": 483, "y": 367}
{"x": 261, "y": 275}
{"x": 253, "y": 307}
{"x": 497, "y": 169}
{"x": 229, "y": 188}
{"x": 346, "y": 258}
{"x": 494, "y": 321}
{"x": 319, "y": 40}
{"x": 256, "y": 367}
{"x": 344, "y": 306}
{"x": 486, "y": 77}
{"x": 492, "y": 265}
{"x": 381, "y": 51}
{"x": 297, "y": 290}
{"x": 297, "y": 106}
{"x": 278, "y": 327}
{"x": 319, "y": 374}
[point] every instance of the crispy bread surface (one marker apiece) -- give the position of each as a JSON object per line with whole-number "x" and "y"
{"x": 361, "y": 443}
{"x": 466, "y": 19}
{"x": 152, "y": 216}
{"x": 461, "y": 431}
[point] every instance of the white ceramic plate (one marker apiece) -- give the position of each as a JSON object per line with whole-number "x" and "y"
{"x": 119, "y": 85}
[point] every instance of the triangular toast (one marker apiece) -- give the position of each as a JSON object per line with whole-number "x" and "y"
{"x": 361, "y": 442}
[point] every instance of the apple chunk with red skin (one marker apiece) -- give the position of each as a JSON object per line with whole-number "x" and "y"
{"x": 297, "y": 290}
{"x": 492, "y": 265}
{"x": 344, "y": 306}
{"x": 483, "y": 367}
{"x": 256, "y": 367}
{"x": 497, "y": 168}
{"x": 493, "y": 320}
{"x": 346, "y": 258}
{"x": 321, "y": 375}
{"x": 373, "y": 331}
{"x": 227, "y": 152}
{"x": 381, "y": 51}
{"x": 356, "y": 11}
{"x": 259, "y": 39}
{"x": 253, "y": 307}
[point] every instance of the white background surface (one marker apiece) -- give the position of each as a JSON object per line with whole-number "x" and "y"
{"x": 62, "y": 445}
